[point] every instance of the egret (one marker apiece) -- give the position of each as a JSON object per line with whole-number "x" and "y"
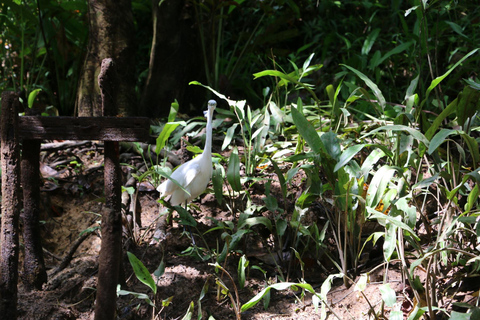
{"x": 193, "y": 175}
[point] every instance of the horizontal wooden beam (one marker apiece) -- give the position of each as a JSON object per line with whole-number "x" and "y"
{"x": 84, "y": 128}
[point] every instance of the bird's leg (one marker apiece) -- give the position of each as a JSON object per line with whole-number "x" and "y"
{"x": 189, "y": 228}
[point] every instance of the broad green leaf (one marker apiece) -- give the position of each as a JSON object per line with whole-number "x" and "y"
{"x": 242, "y": 266}
{"x": 439, "y": 138}
{"x": 173, "y": 111}
{"x": 371, "y": 85}
{"x": 388, "y": 295}
{"x": 165, "y": 134}
{"x": 217, "y": 181}
{"x": 378, "y": 185}
{"x": 347, "y": 155}
{"x": 141, "y": 272}
{"x": 472, "y": 145}
{"x": 390, "y": 240}
{"x": 32, "y": 96}
{"x": 472, "y": 198}
{"x": 374, "y": 156}
{"x": 277, "y": 286}
{"x": 468, "y": 105}
{"x": 160, "y": 269}
{"x": 233, "y": 171}
{"x": 400, "y": 48}
{"x": 460, "y": 316}
{"x": 455, "y": 27}
{"x": 374, "y": 214}
{"x": 254, "y": 221}
{"x": 397, "y": 127}
{"x": 229, "y": 136}
{"x": 396, "y": 315}
{"x": 307, "y": 131}
{"x": 137, "y": 295}
{"x": 370, "y": 40}
{"x": 185, "y": 217}
{"x": 331, "y": 145}
{"x": 361, "y": 283}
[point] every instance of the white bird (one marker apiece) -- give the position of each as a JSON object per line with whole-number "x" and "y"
{"x": 193, "y": 175}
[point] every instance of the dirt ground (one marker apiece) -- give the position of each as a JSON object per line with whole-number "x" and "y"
{"x": 72, "y": 201}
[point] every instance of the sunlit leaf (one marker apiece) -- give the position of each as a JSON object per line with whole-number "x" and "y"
{"x": 233, "y": 171}
{"x": 141, "y": 272}
{"x": 388, "y": 295}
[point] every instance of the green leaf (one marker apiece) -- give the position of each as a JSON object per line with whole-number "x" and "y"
{"x": 380, "y": 216}
{"x": 164, "y": 135}
{"x": 242, "y": 266}
{"x": 472, "y": 198}
{"x": 185, "y": 217}
{"x": 371, "y": 85}
{"x": 189, "y": 314}
{"x": 160, "y": 269}
{"x": 32, "y": 96}
{"x": 439, "y": 79}
{"x": 390, "y": 240}
{"x": 141, "y": 272}
{"x": 370, "y": 40}
{"x": 468, "y": 105}
{"x": 254, "y": 221}
{"x": 361, "y": 283}
{"x": 173, "y": 111}
{"x": 439, "y": 138}
{"x": 217, "y": 181}
{"x": 233, "y": 171}
{"x": 397, "y": 127}
{"x": 277, "y": 286}
{"x": 307, "y": 131}
{"x": 137, "y": 295}
{"x": 378, "y": 185}
{"x": 347, "y": 155}
{"x": 388, "y": 295}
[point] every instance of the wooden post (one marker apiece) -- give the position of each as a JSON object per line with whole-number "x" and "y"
{"x": 110, "y": 260}
{"x": 34, "y": 273}
{"x": 10, "y": 206}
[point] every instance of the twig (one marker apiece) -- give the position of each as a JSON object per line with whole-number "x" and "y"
{"x": 66, "y": 260}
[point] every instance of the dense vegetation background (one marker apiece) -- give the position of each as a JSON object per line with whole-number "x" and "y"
{"x": 377, "y": 102}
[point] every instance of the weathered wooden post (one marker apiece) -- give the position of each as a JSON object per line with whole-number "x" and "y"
{"x": 34, "y": 273}
{"x": 110, "y": 260}
{"x": 10, "y": 206}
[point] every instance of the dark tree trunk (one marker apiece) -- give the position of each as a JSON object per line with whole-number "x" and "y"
{"x": 175, "y": 60}
{"x": 110, "y": 36}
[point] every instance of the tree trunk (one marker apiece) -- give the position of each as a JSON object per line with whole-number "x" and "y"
{"x": 175, "y": 60}
{"x": 110, "y": 36}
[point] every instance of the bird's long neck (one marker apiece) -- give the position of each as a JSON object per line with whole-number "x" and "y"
{"x": 208, "y": 141}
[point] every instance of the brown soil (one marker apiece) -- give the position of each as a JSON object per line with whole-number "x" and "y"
{"x": 73, "y": 204}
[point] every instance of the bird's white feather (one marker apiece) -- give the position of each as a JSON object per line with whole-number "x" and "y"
{"x": 193, "y": 175}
